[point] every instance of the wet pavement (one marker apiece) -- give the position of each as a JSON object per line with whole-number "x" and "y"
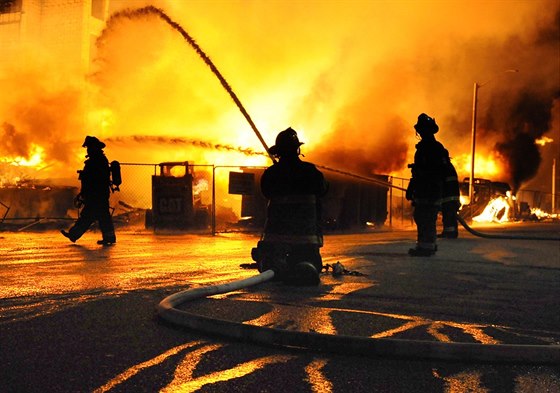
{"x": 82, "y": 318}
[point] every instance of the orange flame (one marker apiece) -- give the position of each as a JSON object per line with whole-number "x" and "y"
{"x": 486, "y": 166}
{"x": 544, "y": 140}
{"x": 497, "y": 210}
{"x": 34, "y": 158}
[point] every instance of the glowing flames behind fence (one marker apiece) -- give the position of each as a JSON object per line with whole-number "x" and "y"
{"x": 351, "y": 105}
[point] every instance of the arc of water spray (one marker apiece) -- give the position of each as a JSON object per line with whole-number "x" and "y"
{"x": 176, "y": 140}
{"x": 151, "y": 10}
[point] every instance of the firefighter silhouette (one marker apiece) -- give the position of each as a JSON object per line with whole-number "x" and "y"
{"x": 94, "y": 194}
{"x": 292, "y": 235}
{"x": 425, "y": 188}
{"x": 450, "y": 202}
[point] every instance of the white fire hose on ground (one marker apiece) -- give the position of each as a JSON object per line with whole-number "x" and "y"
{"x": 342, "y": 344}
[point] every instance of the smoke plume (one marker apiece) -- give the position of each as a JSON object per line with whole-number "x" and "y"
{"x": 373, "y": 131}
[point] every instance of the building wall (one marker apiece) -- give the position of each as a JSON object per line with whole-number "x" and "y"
{"x": 10, "y": 29}
{"x": 60, "y": 29}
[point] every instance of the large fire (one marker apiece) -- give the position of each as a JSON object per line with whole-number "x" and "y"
{"x": 17, "y": 169}
{"x": 329, "y": 72}
{"x": 34, "y": 159}
{"x": 487, "y": 166}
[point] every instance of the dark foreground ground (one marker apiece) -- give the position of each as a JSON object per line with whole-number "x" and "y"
{"x": 82, "y": 318}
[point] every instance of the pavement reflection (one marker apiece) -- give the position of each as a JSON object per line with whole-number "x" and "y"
{"x": 474, "y": 290}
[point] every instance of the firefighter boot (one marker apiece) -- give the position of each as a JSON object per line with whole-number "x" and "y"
{"x": 305, "y": 274}
{"x": 67, "y": 234}
{"x": 106, "y": 242}
{"x": 421, "y": 252}
{"x": 270, "y": 257}
{"x": 449, "y": 234}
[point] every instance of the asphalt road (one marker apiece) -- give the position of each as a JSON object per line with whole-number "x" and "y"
{"x": 82, "y": 318}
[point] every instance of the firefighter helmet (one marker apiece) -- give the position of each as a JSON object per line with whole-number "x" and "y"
{"x": 286, "y": 142}
{"x": 93, "y": 142}
{"x": 426, "y": 124}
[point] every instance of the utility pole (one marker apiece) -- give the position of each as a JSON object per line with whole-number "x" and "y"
{"x": 473, "y": 143}
{"x": 473, "y": 133}
{"x": 553, "y": 210}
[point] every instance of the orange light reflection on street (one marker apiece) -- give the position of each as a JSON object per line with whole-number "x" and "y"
{"x": 185, "y": 381}
{"x": 317, "y": 379}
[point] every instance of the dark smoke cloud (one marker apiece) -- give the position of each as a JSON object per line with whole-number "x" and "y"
{"x": 523, "y": 157}
{"x": 13, "y": 142}
{"x": 529, "y": 119}
{"x": 374, "y": 130}
{"x": 519, "y": 117}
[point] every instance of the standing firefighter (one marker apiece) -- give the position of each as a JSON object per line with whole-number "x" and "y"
{"x": 450, "y": 203}
{"x": 425, "y": 189}
{"x": 292, "y": 234}
{"x": 94, "y": 194}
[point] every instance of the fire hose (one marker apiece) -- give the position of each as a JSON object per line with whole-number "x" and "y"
{"x": 509, "y": 237}
{"x": 342, "y": 344}
{"x": 459, "y": 218}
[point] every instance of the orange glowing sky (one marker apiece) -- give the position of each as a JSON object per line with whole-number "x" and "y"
{"x": 350, "y": 76}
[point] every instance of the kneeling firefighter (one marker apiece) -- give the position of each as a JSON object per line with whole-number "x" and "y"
{"x": 292, "y": 235}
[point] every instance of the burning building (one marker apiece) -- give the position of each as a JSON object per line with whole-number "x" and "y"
{"x": 77, "y": 68}
{"x": 64, "y": 29}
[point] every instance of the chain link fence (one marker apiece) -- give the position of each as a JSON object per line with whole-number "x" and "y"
{"x": 528, "y": 200}
{"x": 216, "y": 209}
{"x": 400, "y": 209}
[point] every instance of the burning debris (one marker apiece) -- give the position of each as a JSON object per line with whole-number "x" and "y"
{"x": 497, "y": 210}
{"x": 19, "y": 172}
{"x": 494, "y": 202}
{"x": 542, "y": 215}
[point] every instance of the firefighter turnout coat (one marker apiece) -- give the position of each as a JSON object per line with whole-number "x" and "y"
{"x": 293, "y": 188}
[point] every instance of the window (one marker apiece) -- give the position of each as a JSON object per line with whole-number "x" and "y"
{"x": 10, "y": 6}
{"x": 97, "y": 9}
